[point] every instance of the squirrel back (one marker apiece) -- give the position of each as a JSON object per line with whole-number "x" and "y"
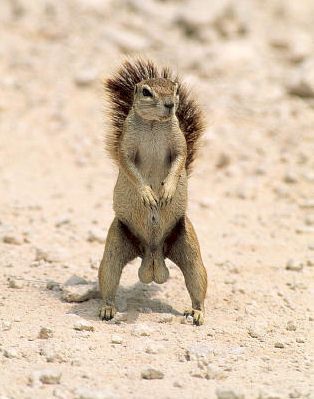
{"x": 120, "y": 89}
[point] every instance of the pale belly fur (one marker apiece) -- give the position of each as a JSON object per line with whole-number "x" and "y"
{"x": 151, "y": 226}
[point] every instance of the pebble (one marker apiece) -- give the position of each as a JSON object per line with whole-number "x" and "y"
{"x": 45, "y": 333}
{"x": 300, "y": 340}
{"x": 116, "y": 339}
{"x": 153, "y": 348}
{"x": 201, "y": 353}
{"x": 294, "y": 265}
{"x": 269, "y": 395}
{"x": 167, "y": 318}
{"x": 52, "y": 355}
{"x": 53, "y": 286}
{"x": 223, "y": 393}
{"x": 86, "y": 393}
{"x": 83, "y": 325}
{"x": 215, "y": 373}
{"x": 310, "y": 262}
{"x": 10, "y": 353}
{"x": 80, "y": 293}
{"x": 279, "y": 345}
{"x": 6, "y": 325}
{"x": 85, "y": 77}
{"x": 309, "y": 220}
{"x": 290, "y": 178}
{"x": 255, "y": 333}
{"x": 13, "y": 238}
{"x": 305, "y": 230}
{"x": 75, "y": 280}
{"x": 17, "y": 284}
{"x": 307, "y": 204}
{"x": 291, "y": 326}
{"x": 142, "y": 330}
{"x": 96, "y": 235}
{"x": 53, "y": 255}
{"x": 45, "y": 376}
{"x": 152, "y": 374}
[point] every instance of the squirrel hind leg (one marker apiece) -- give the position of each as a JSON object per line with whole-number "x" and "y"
{"x": 153, "y": 268}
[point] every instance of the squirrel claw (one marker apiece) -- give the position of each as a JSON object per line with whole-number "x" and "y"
{"x": 198, "y": 316}
{"x": 107, "y": 312}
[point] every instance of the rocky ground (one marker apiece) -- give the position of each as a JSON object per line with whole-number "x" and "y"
{"x": 251, "y": 199}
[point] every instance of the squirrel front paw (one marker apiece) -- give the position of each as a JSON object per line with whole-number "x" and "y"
{"x": 148, "y": 197}
{"x": 167, "y": 192}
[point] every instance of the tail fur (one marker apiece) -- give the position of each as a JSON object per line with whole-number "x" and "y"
{"x": 120, "y": 90}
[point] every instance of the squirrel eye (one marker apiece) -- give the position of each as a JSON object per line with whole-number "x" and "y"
{"x": 147, "y": 93}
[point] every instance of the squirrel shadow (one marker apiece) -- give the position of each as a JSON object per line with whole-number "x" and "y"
{"x": 132, "y": 301}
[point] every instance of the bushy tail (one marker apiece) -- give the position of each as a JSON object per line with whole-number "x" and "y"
{"x": 120, "y": 90}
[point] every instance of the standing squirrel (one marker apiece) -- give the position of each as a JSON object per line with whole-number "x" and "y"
{"x": 155, "y": 129}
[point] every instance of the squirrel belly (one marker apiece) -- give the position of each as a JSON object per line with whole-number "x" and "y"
{"x": 150, "y": 226}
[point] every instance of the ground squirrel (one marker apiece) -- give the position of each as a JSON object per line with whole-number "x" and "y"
{"x": 155, "y": 129}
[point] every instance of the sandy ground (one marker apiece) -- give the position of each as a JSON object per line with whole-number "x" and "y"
{"x": 251, "y": 199}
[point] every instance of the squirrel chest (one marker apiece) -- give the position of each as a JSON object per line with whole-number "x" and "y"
{"x": 153, "y": 156}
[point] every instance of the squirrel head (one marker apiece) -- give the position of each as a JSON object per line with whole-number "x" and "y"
{"x": 156, "y": 99}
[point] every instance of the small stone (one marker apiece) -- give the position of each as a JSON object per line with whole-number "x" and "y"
{"x": 291, "y": 326}
{"x": 10, "y": 353}
{"x": 309, "y": 220}
{"x": 45, "y": 333}
{"x": 85, "y": 77}
{"x": 294, "y": 265}
{"x": 13, "y": 238}
{"x": 178, "y": 384}
{"x": 201, "y": 353}
{"x": 304, "y": 230}
{"x": 153, "y": 348}
{"x": 75, "y": 280}
{"x": 13, "y": 283}
{"x": 142, "y": 330}
{"x": 223, "y": 393}
{"x": 96, "y": 235}
{"x": 215, "y": 373}
{"x": 167, "y": 318}
{"x": 307, "y": 204}
{"x": 300, "y": 340}
{"x": 53, "y": 286}
{"x": 6, "y": 325}
{"x": 187, "y": 320}
{"x": 85, "y": 393}
{"x": 269, "y": 395}
{"x": 290, "y": 178}
{"x": 279, "y": 345}
{"x": 255, "y": 333}
{"x": 45, "y": 376}
{"x": 116, "y": 339}
{"x": 83, "y": 325}
{"x": 80, "y": 293}
{"x": 53, "y": 255}
{"x": 310, "y": 262}
{"x": 52, "y": 355}
{"x": 152, "y": 374}
{"x": 223, "y": 161}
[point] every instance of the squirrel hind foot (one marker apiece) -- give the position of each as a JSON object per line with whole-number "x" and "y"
{"x": 153, "y": 268}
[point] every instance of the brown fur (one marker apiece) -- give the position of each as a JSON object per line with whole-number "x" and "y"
{"x": 120, "y": 92}
{"x": 153, "y": 142}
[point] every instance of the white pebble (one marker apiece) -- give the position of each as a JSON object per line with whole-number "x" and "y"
{"x": 116, "y": 339}
{"x": 142, "y": 330}
{"x": 45, "y": 376}
{"x": 83, "y": 325}
{"x": 223, "y": 393}
{"x": 10, "y": 353}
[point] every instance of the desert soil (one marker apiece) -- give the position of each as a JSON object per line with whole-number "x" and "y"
{"x": 251, "y": 200}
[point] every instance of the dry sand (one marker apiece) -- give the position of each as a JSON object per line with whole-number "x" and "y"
{"x": 251, "y": 199}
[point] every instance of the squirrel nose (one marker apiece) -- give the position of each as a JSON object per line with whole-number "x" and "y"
{"x": 169, "y": 105}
